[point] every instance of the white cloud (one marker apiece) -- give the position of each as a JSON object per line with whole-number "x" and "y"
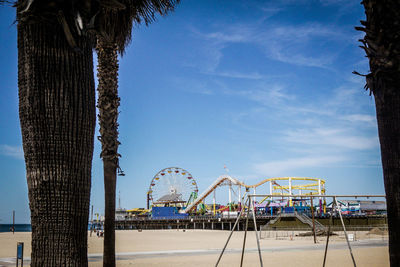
{"x": 291, "y": 165}
{"x": 238, "y": 75}
{"x": 279, "y": 53}
{"x": 291, "y": 44}
{"x": 267, "y": 95}
{"x": 270, "y": 11}
{"x": 12, "y": 151}
{"x": 339, "y": 2}
{"x": 330, "y": 137}
{"x": 212, "y": 55}
{"x": 363, "y": 118}
{"x": 234, "y": 37}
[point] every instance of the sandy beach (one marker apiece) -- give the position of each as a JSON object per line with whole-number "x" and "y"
{"x": 202, "y": 248}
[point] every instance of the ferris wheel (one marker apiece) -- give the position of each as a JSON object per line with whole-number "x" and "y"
{"x": 171, "y": 185}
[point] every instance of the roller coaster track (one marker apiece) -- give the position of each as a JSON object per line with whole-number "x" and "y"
{"x": 235, "y": 181}
{"x": 211, "y": 188}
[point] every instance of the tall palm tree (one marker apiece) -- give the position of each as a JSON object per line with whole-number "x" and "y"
{"x": 382, "y": 46}
{"x": 57, "y": 117}
{"x": 113, "y": 27}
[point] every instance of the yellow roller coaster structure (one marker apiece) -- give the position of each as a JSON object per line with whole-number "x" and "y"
{"x": 313, "y": 186}
{"x": 295, "y": 186}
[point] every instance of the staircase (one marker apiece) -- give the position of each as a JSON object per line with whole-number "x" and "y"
{"x": 271, "y": 222}
{"x": 307, "y": 220}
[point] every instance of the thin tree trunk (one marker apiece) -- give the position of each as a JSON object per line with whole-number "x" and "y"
{"x": 57, "y": 116}
{"x": 108, "y": 115}
{"x": 382, "y": 46}
{"x": 109, "y": 222}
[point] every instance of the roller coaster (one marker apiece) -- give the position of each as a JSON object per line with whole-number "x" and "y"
{"x": 303, "y": 186}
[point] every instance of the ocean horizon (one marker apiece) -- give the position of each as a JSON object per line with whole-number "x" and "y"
{"x": 19, "y": 227}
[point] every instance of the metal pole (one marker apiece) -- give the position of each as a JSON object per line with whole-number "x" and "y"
{"x": 22, "y": 255}
{"x": 345, "y": 233}
{"x": 230, "y": 196}
{"x": 214, "y": 202}
{"x": 245, "y": 233}
{"x": 254, "y": 190}
{"x": 313, "y": 220}
{"x": 239, "y": 201}
{"x": 329, "y": 231}
{"x": 271, "y": 190}
{"x": 327, "y": 241}
{"x": 13, "y": 227}
{"x": 91, "y": 224}
{"x": 148, "y": 201}
{"x": 227, "y": 241}
{"x": 255, "y": 231}
{"x": 290, "y": 192}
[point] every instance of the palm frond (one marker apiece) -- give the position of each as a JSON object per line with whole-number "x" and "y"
{"x": 381, "y": 43}
{"x": 116, "y": 19}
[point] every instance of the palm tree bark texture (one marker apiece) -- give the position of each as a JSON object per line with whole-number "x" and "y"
{"x": 113, "y": 26}
{"x": 382, "y": 46}
{"x": 57, "y": 116}
{"x": 108, "y": 103}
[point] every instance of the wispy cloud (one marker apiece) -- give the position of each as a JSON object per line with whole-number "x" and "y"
{"x": 363, "y": 118}
{"x": 317, "y": 124}
{"x": 202, "y": 88}
{"x": 281, "y": 54}
{"x": 12, "y": 151}
{"x": 270, "y": 11}
{"x": 332, "y": 137}
{"x": 337, "y": 2}
{"x": 292, "y": 44}
{"x": 287, "y": 166}
{"x": 295, "y": 44}
{"x": 266, "y": 95}
{"x": 238, "y": 75}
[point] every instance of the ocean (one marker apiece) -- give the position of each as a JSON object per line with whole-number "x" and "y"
{"x": 18, "y": 228}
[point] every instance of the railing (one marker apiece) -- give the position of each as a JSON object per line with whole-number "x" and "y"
{"x": 305, "y": 219}
{"x": 359, "y": 232}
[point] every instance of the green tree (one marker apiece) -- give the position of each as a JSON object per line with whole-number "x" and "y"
{"x": 113, "y": 27}
{"x": 382, "y": 46}
{"x": 57, "y": 116}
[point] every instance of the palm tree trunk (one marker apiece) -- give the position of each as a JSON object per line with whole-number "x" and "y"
{"x": 388, "y": 115}
{"x": 108, "y": 103}
{"x": 57, "y": 116}
{"x": 382, "y": 46}
{"x": 109, "y": 222}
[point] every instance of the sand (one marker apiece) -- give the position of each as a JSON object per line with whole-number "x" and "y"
{"x": 202, "y": 247}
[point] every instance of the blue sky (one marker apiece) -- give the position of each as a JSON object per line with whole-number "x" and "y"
{"x": 263, "y": 87}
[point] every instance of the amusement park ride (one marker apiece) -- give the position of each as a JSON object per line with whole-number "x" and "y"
{"x": 175, "y": 202}
{"x": 172, "y": 186}
{"x": 176, "y": 187}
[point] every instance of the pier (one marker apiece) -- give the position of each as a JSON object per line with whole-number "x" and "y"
{"x": 287, "y": 221}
